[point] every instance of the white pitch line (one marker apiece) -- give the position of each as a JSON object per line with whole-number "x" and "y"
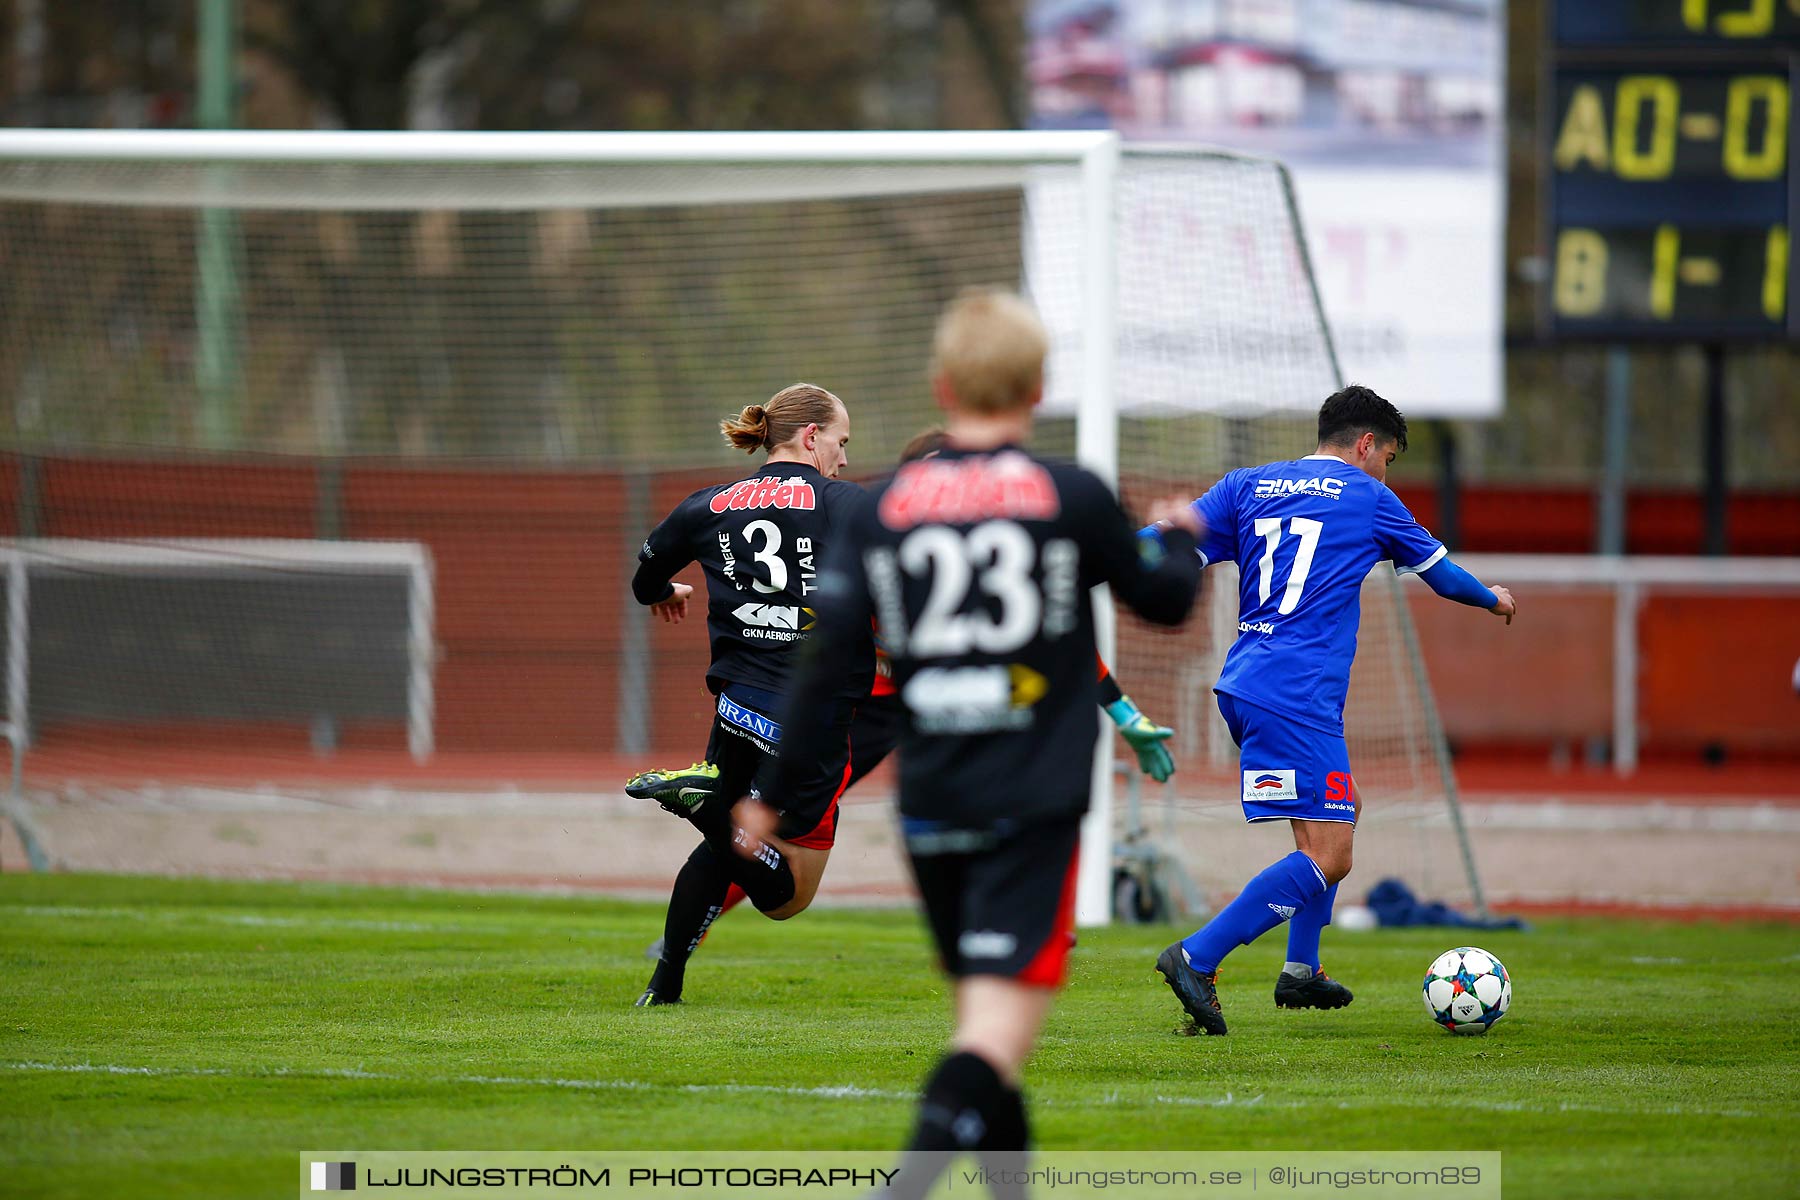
{"x": 857, "y": 1092}
{"x": 834, "y": 1092}
{"x": 256, "y": 920}
{"x": 1225, "y": 1101}
{"x": 1520, "y": 1106}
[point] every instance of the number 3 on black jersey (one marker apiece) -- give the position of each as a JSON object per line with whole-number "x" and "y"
{"x": 769, "y": 555}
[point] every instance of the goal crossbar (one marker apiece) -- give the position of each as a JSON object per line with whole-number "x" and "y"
{"x": 564, "y": 149}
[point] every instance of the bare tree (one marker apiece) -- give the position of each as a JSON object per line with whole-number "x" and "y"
{"x": 628, "y": 64}
{"x": 995, "y": 30}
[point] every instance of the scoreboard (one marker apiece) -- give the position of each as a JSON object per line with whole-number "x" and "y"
{"x": 1669, "y": 155}
{"x": 1686, "y": 22}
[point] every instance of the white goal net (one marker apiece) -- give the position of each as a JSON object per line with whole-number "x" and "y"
{"x": 509, "y": 354}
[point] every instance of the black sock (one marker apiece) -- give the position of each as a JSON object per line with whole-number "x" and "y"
{"x": 768, "y": 879}
{"x": 697, "y": 898}
{"x": 1008, "y": 1127}
{"x": 1006, "y": 1147}
{"x": 714, "y": 823}
{"x": 962, "y": 1102}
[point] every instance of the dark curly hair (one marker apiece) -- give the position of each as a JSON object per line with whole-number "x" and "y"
{"x": 1357, "y": 410}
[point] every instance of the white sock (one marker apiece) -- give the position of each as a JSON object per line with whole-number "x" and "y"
{"x": 1298, "y": 970}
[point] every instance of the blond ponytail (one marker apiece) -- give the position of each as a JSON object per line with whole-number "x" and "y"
{"x": 748, "y": 430}
{"x": 793, "y": 408}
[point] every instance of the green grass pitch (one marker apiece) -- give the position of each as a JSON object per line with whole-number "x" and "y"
{"x": 189, "y": 1038}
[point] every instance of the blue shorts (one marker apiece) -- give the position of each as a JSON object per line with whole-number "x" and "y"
{"x": 1291, "y": 771}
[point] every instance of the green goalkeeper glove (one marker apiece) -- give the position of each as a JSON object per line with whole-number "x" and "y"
{"x": 1145, "y": 737}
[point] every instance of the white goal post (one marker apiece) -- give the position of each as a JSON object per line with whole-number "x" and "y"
{"x": 1175, "y": 282}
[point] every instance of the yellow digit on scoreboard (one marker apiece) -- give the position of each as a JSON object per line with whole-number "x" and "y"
{"x": 1769, "y": 160}
{"x": 1775, "y": 273}
{"x": 1755, "y": 19}
{"x": 1665, "y": 263}
{"x": 1580, "y": 289}
{"x": 1662, "y": 97}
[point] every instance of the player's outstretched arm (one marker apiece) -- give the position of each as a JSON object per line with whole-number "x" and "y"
{"x": 1453, "y": 583}
{"x": 665, "y": 552}
{"x": 1159, "y": 588}
{"x": 1404, "y": 540}
{"x": 673, "y": 608}
{"x": 653, "y": 587}
{"x": 1144, "y": 736}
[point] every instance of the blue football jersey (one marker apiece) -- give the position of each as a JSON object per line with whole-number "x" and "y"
{"x": 1304, "y": 534}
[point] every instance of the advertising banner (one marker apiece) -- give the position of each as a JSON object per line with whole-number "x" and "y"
{"x": 1389, "y": 114}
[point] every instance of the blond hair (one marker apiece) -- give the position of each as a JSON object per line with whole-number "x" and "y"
{"x": 787, "y": 412}
{"x": 989, "y": 349}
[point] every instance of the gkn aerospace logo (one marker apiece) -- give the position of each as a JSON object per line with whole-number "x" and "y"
{"x": 774, "y": 622}
{"x": 1271, "y": 489}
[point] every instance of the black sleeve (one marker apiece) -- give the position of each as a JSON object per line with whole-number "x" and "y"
{"x": 664, "y": 552}
{"x": 841, "y": 635}
{"x": 1110, "y": 691}
{"x": 1159, "y": 587}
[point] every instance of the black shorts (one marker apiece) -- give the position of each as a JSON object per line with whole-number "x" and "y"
{"x": 746, "y": 738}
{"x": 999, "y": 901}
{"x": 874, "y": 732}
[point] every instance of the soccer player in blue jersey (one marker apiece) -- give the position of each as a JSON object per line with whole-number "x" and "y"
{"x": 1304, "y": 534}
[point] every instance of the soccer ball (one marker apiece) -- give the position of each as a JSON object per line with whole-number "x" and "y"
{"x": 1467, "y": 990}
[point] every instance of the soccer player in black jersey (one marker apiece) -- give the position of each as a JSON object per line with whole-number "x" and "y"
{"x": 875, "y": 728}
{"x": 760, "y": 540}
{"x": 977, "y": 564}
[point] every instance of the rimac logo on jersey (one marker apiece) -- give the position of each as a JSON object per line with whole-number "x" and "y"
{"x": 1270, "y": 785}
{"x": 959, "y": 491}
{"x": 1325, "y": 486}
{"x": 767, "y": 492}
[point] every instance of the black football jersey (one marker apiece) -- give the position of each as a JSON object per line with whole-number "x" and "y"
{"x": 761, "y": 541}
{"x": 978, "y": 568}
